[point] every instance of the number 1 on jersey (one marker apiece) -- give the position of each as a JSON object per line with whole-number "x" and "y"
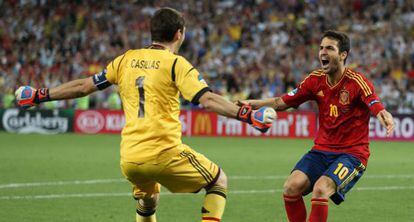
{"x": 139, "y": 83}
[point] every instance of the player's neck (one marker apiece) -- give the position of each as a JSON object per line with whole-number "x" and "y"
{"x": 167, "y": 46}
{"x": 335, "y": 77}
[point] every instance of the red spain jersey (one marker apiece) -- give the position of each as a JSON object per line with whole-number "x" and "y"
{"x": 344, "y": 111}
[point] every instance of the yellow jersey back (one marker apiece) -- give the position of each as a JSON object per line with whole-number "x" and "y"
{"x": 150, "y": 82}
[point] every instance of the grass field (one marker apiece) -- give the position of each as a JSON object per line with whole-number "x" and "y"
{"x": 77, "y": 178}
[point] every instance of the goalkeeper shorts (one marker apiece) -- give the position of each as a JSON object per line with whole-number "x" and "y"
{"x": 183, "y": 171}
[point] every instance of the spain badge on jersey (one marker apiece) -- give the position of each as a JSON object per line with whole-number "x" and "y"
{"x": 344, "y": 97}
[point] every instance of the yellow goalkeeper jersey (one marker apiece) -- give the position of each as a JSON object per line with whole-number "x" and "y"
{"x": 150, "y": 81}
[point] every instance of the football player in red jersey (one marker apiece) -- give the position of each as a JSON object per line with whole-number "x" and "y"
{"x": 340, "y": 154}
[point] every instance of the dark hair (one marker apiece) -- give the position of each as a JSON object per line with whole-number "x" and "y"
{"x": 165, "y": 23}
{"x": 342, "y": 39}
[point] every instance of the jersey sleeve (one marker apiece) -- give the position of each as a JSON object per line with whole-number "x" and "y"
{"x": 368, "y": 95}
{"x": 110, "y": 75}
{"x": 188, "y": 80}
{"x": 113, "y": 69}
{"x": 301, "y": 94}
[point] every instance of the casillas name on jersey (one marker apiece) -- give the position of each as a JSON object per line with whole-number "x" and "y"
{"x": 145, "y": 64}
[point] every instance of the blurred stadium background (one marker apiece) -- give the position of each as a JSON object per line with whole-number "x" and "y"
{"x": 244, "y": 49}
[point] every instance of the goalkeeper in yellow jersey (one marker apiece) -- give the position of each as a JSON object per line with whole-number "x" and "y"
{"x": 152, "y": 153}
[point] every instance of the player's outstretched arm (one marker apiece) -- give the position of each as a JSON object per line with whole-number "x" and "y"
{"x": 276, "y": 103}
{"x": 259, "y": 119}
{"x": 27, "y": 96}
{"x": 386, "y": 121}
{"x": 73, "y": 89}
{"x": 216, "y": 103}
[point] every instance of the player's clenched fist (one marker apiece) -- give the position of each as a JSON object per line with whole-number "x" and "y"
{"x": 260, "y": 119}
{"x": 27, "y": 96}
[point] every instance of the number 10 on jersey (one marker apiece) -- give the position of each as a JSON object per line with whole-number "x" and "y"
{"x": 139, "y": 83}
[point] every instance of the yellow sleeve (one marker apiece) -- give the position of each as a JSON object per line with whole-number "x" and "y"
{"x": 113, "y": 69}
{"x": 188, "y": 80}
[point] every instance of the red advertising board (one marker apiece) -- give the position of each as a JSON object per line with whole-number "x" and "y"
{"x": 203, "y": 123}
{"x": 99, "y": 121}
{"x": 294, "y": 125}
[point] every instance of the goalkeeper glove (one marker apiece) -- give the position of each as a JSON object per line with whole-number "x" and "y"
{"x": 255, "y": 118}
{"x": 27, "y": 96}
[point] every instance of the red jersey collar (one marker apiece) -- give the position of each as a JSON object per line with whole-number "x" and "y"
{"x": 340, "y": 80}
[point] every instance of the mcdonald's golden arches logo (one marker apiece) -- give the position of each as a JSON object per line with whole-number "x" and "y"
{"x": 202, "y": 124}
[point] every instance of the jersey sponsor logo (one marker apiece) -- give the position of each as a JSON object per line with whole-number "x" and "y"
{"x": 90, "y": 121}
{"x": 202, "y": 124}
{"x": 344, "y": 97}
{"x": 293, "y": 92}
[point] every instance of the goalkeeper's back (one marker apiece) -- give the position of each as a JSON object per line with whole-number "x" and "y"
{"x": 150, "y": 81}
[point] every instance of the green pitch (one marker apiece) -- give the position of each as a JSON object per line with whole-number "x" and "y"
{"x": 77, "y": 178}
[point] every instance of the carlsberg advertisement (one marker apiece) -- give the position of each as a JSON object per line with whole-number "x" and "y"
{"x": 36, "y": 121}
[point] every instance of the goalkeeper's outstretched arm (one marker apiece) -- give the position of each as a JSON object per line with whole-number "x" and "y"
{"x": 259, "y": 119}
{"x": 73, "y": 89}
{"x": 216, "y": 103}
{"x": 27, "y": 96}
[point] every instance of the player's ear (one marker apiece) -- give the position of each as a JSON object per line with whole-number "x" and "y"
{"x": 343, "y": 55}
{"x": 179, "y": 34}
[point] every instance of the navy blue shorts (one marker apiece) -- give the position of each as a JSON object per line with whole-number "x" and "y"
{"x": 344, "y": 169}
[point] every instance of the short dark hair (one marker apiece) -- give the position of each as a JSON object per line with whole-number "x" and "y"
{"x": 344, "y": 44}
{"x": 165, "y": 23}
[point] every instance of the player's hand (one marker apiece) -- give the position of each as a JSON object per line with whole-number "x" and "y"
{"x": 27, "y": 96}
{"x": 260, "y": 119}
{"x": 386, "y": 121}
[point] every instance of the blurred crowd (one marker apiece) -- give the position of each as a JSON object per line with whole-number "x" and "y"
{"x": 243, "y": 48}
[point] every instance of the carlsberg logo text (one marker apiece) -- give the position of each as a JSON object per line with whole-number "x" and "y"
{"x": 34, "y": 122}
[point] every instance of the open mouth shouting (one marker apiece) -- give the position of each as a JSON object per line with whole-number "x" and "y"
{"x": 325, "y": 63}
